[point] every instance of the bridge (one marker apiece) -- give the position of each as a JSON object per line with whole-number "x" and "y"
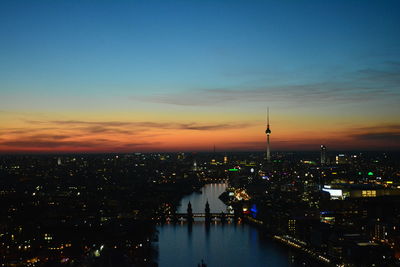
{"x": 207, "y": 215}
{"x": 214, "y": 180}
{"x": 204, "y": 215}
{"x": 223, "y": 217}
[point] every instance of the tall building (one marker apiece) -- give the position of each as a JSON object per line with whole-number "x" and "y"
{"x": 268, "y": 132}
{"x": 195, "y": 166}
{"x": 323, "y": 155}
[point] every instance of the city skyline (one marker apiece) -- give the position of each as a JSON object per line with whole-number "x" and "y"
{"x": 151, "y": 76}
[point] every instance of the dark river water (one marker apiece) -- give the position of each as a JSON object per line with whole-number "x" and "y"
{"x": 219, "y": 244}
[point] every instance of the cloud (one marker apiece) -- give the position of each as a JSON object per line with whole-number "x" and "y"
{"x": 386, "y": 137}
{"x": 126, "y": 127}
{"x": 211, "y": 127}
{"x": 48, "y": 144}
{"x": 388, "y": 75}
{"x": 77, "y": 122}
{"x": 49, "y": 136}
{"x": 102, "y": 130}
{"x": 384, "y": 133}
{"x": 384, "y": 127}
{"x": 53, "y": 143}
{"x": 359, "y": 86}
{"x": 295, "y": 94}
{"x": 96, "y": 135}
{"x": 19, "y": 131}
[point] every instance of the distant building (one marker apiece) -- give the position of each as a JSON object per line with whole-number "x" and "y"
{"x": 195, "y": 165}
{"x": 342, "y": 191}
{"x": 323, "y": 155}
{"x": 341, "y": 159}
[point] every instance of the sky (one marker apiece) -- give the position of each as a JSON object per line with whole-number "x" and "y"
{"x": 157, "y": 76}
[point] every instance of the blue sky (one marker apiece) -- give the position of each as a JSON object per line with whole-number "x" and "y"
{"x": 192, "y": 44}
{"x": 157, "y": 55}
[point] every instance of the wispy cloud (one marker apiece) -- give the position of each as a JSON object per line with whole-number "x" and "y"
{"x": 388, "y": 75}
{"x": 127, "y": 127}
{"x": 92, "y": 135}
{"x": 300, "y": 94}
{"x": 379, "y": 127}
{"x": 362, "y": 85}
{"x": 384, "y": 133}
{"x": 386, "y": 137}
{"x": 87, "y": 145}
{"x": 48, "y": 144}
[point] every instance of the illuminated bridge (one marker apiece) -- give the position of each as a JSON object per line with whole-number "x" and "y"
{"x": 205, "y": 215}
{"x": 215, "y": 180}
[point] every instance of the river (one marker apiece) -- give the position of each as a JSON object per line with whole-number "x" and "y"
{"x": 219, "y": 244}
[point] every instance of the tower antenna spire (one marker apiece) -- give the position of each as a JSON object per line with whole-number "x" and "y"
{"x": 268, "y": 132}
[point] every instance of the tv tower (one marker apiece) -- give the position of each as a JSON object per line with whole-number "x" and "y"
{"x": 268, "y": 132}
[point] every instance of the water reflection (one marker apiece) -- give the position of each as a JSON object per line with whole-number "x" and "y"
{"x": 218, "y": 245}
{"x": 228, "y": 244}
{"x": 209, "y": 192}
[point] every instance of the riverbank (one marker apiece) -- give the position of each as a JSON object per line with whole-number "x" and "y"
{"x": 286, "y": 240}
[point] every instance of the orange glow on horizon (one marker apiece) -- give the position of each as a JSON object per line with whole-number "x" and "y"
{"x": 38, "y": 133}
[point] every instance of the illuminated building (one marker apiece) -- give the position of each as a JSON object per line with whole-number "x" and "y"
{"x": 341, "y": 159}
{"x": 323, "y": 155}
{"x": 268, "y": 132}
{"x": 343, "y": 191}
{"x": 292, "y": 226}
{"x": 194, "y": 165}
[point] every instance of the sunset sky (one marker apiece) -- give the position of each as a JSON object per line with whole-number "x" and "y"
{"x": 138, "y": 76}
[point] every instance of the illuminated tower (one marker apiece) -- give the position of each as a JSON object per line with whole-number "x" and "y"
{"x": 323, "y": 155}
{"x": 268, "y": 132}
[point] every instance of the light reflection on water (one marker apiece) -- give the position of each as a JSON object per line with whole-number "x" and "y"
{"x": 210, "y": 192}
{"x": 217, "y": 244}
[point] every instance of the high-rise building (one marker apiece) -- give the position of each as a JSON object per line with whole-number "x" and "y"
{"x": 323, "y": 155}
{"x": 195, "y": 166}
{"x": 268, "y": 132}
